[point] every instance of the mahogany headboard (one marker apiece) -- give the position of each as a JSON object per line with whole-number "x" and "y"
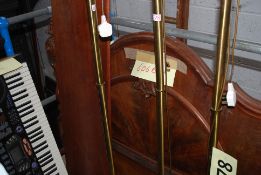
{"x": 188, "y": 116}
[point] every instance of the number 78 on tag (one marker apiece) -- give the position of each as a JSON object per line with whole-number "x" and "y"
{"x": 222, "y": 163}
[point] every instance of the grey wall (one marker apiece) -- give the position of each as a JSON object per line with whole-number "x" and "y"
{"x": 203, "y": 18}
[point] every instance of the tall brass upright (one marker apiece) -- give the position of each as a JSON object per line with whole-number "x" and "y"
{"x": 158, "y": 24}
{"x": 220, "y": 76}
{"x": 91, "y": 8}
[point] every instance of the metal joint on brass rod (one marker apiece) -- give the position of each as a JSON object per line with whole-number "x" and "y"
{"x": 216, "y": 110}
{"x": 101, "y": 84}
{"x": 158, "y": 90}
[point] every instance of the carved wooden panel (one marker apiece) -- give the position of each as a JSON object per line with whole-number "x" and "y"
{"x": 188, "y": 116}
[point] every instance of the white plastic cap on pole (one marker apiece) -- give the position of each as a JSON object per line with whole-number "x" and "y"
{"x": 105, "y": 28}
{"x": 231, "y": 95}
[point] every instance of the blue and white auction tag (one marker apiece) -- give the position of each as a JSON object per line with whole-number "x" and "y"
{"x": 93, "y": 7}
{"x": 156, "y": 17}
{"x": 222, "y": 163}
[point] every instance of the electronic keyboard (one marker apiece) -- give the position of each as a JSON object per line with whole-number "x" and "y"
{"x": 27, "y": 144}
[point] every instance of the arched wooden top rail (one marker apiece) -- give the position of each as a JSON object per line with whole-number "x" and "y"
{"x": 173, "y": 46}
{"x": 188, "y": 102}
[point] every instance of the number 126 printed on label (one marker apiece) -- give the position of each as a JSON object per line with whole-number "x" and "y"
{"x": 222, "y": 163}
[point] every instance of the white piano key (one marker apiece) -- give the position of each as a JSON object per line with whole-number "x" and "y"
{"x": 25, "y": 79}
{"x": 36, "y": 107}
{"x": 22, "y": 75}
{"x": 42, "y": 154}
{"x": 24, "y": 106}
{"x": 40, "y": 118}
{"x": 31, "y": 129}
{"x": 46, "y": 130}
{"x": 20, "y": 70}
{"x": 39, "y": 115}
{"x": 47, "y": 134}
{"x": 33, "y": 98}
{"x": 50, "y": 168}
{"x": 18, "y": 84}
{"x": 30, "y": 92}
{"x": 26, "y": 86}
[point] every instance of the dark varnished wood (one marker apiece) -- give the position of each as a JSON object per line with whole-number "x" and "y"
{"x": 188, "y": 103}
{"x": 132, "y": 157}
{"x": 182, "y": 16}
{"x": 78, "y": 96}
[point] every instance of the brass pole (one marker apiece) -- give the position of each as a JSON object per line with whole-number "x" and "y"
{"x": 222, "y": 45}
{"x": 100, "y": 82}
{"x": 158, "y": 25}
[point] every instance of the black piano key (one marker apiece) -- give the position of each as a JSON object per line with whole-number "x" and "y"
{"x": 51, "y": 171}
{"x": 23, "y": 104}
{"x": 49, "y": 168}
{"x": 16, "y": 85}
{"x": 31, "y": 124}
{"x": 21, "y": 97}
{"x": 46, "y": 162}
{"x": 34, "y": 130}
{"x": 30, "y": 119}
{"x": 19, "y": 92}
{"x": 45, "y": 158}
{"x": 26, "y": 108}
{"x": 12, "y": 76}
{"x": 15, "y": 80}
{"x": 41, "y": 149}
{"x": 27, "y": 113}
{"x": 39, "y": 145}
{"x": 44, "y": 154}
{"x": 35, "y": 135}
{"x": 38, "y": 138}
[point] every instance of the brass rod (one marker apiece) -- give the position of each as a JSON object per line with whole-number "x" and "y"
{"x": 170, "y": 20}
{"x": 222, "y": 45}
{"x": 100, "y": 82}
{"x": 159, "y": 63}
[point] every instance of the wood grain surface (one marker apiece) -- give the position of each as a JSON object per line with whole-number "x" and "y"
{"x": 188, "y": 116}
{"x": 78, "y": 96}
